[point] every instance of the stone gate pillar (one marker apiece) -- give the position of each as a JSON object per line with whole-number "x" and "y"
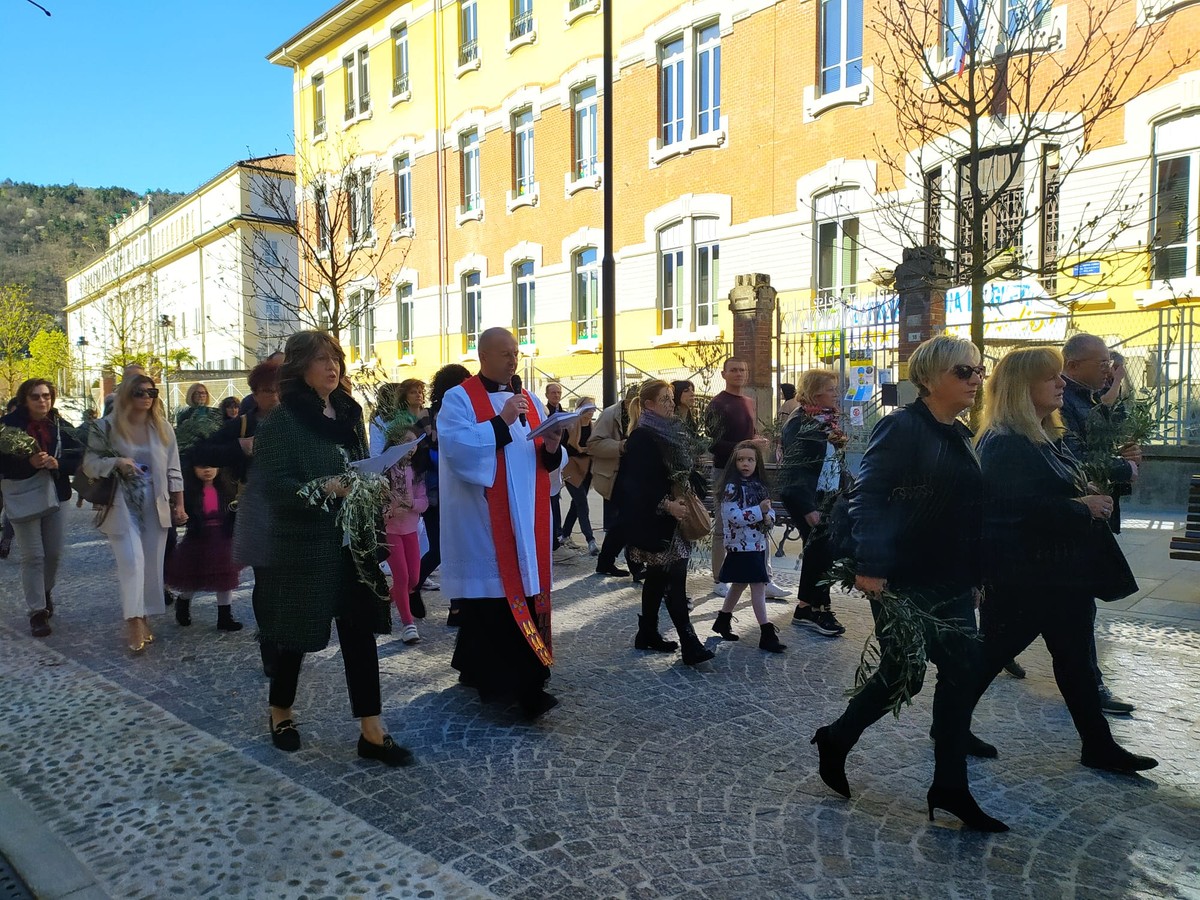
{"x": 921, "y": 282}
{"x": 752, "y": 302}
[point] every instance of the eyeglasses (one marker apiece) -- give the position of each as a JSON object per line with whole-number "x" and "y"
{"x": 143, "y": 393}
{"x": 964, "y": 372}
{"x": 39, "y": 396}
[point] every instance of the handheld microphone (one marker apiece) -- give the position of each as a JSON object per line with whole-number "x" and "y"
{"x": 515, "y": 383}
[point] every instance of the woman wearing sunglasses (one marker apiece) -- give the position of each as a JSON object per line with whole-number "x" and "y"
{"x": 1048, "y": 547}
{"x": 135, "y": 443}
{"x": 917, "y": 516}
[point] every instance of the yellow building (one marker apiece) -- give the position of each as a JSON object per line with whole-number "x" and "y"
{"x": 751, "y": 136}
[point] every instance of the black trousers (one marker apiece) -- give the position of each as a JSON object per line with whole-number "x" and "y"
{"x": 1013, "y": 615}
{"x": 955, "y": 652}
{"x": 816, "y": 562}
{"x": 492, "y": 653}
{"x": 432, "y": 518}
{"x": 556, "y": 515}
{"x": 614, "y": 536}
{"x": 579, "y": 511}
{"x": 359, "y": 657}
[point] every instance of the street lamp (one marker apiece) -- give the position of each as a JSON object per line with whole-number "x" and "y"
{"x": 82, "y": 345}
{"x": 166, "y": 323}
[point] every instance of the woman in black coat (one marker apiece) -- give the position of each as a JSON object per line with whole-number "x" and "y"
{"x": 657, "y": 461}
{"x": 34, "y": 484}
{"x": 917, "y": 517}
{"x": 812, "y": 476}
{"x": 1048, "y": 548}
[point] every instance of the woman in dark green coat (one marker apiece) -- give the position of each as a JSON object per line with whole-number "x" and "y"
{"x": 310, "y": 578}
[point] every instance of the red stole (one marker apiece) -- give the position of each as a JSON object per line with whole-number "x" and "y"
{"x": 536, "y": 628}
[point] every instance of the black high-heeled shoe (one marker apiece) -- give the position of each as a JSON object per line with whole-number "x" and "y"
{"x": 832, "y": 767}
{"x": 959, "y": 802}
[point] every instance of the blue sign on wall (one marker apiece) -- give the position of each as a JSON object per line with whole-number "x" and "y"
{"x": 1092, "y": 267}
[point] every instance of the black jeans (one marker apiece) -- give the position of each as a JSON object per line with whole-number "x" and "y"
{"x": 955, "y": 652}
{"x": 816, "y": 562}
{"x": 359, "y": 657}
{"x": 432, "y": 518}
{"x": 614, "y": 536}
{"x": 1013, "y": 615}
{"x": 667, "y": 584}
{"x": 579, "y": 510}
{"x": 556, "y": 515}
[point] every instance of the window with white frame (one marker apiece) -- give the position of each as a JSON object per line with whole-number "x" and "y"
{"x": 349, "y": 79}
{"x": 689, "y": 260}
{"x": 585, "y": 265}
{"x": 965, "y": 23}
{"x": 468, "y": 145}
{"x": 404, "y": 318}
{"x": 400, "y": 60}
{"x": 402, "y": 175}
{"x": 522, "y": 19}
{"x": 670, "y": 97}
{"x": 361, "y": 309}
{"x": 324, "y": 320}
{"x": 708, "y": 68}
{"x": 841, "y": 48}
{"x": 318, "y": 98}
{"x": 468, "y": 32}
{"x": 364, "y": 80}
{"x": 586, "y": 130}
{"x": 1175, "y": 237}
{"x": 321, "y": 215}
{"x": 360, "y": 206}
{"x": 522, "y": 131}
{"x": 837, "y": 262}
{"x": 472, "y": 309}
{"x": 524, "y": 288}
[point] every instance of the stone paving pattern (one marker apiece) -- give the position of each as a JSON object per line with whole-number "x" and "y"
{"x": 650, "y": 780}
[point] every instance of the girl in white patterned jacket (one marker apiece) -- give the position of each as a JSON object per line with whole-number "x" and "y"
{"x": 747, "y": 518}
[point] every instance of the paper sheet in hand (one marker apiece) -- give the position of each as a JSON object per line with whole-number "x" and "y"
{"x": 556, "y": 422}
{"x": 385, "y": 460}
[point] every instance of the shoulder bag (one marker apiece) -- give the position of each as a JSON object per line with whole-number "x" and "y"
{"x": 695, "y": 523}
{"x": 29, "y": 498}
{"x": 97, "y": 491}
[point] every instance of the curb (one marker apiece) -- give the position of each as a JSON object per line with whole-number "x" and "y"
{"x": 47, "y": 866}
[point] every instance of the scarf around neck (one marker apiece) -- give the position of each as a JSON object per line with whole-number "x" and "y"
{"x": 672, "y": 438}
{"x": 306, "y": 405}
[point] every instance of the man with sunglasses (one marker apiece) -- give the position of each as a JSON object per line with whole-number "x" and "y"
{"x": 1087, "y": 362}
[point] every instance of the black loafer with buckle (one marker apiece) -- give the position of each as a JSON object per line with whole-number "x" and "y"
{"x": 285, "y": 736}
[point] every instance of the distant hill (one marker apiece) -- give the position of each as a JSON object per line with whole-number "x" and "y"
{"x": 49, "y": 231}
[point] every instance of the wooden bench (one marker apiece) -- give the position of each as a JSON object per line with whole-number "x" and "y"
{"x": 1187, "y": 545}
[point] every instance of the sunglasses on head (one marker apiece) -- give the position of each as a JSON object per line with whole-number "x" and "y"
{"x": 143, "y": 393}
{"x": 964, "y": 371}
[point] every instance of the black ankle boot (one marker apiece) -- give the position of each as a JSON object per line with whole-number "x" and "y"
{"x": 832, "y": 765}
{"x": 648, "y": 637}
{"x": 724, "y": 626}
{"x": 694, "y": 652}
{"x": 225, "y": 620}
{"x": 183, "y": 610}
{"x": 959, "y": 802}
{"x": 770, "y": 639}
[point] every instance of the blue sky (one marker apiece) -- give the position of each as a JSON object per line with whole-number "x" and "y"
{"x": 143, "y": 95}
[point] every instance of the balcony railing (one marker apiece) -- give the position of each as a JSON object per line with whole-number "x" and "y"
{"x": 468, "y": 52}
{"x": 586, "y": 167}
{"x": 351, "y": 108}
{"x": 575, "y": 4}
{"x": 522, "y": 24}
{"x": 400, "y": 84}
{"x": 319, "y": 127}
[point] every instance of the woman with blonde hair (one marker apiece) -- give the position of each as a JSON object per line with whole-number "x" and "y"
{"x": 811, "y": 477}
{"x": 917, "y": 511}
{"x": 1048, "y": 548}
{"x": 135, "y": 443}
{"x": 197, "y": 397}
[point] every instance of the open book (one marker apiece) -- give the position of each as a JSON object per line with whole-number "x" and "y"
{"x": 559, "y": 421}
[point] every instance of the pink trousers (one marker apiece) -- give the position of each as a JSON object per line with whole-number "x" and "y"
{"x": 404, "y": 558}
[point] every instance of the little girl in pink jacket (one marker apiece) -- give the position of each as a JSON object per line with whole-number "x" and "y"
{"x": 403, "y": 517}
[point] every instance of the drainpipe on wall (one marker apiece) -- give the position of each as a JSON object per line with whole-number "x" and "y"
{"x": 439, "y": 74}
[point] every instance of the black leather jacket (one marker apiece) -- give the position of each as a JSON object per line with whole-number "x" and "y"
{"x": 918, "y": 502}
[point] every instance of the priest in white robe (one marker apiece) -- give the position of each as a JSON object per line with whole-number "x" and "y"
{"x": 494, "y": 485}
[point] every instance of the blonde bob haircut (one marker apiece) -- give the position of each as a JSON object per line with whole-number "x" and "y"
{"x": 937, "y": 355}
{"x": 813, "y": 382}
{"x": 191, "y": 398}
{"x": 1007, "y": 395}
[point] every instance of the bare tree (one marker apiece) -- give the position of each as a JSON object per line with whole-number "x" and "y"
{"x": 336, "y": 212}
{"x": 127, "y": 314}
{"x": 982, "y": 89}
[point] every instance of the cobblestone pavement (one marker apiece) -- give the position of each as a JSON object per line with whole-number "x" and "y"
{"x": 650, "y": 780}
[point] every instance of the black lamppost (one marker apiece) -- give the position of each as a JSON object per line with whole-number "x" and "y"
{"x": 608, "y": 267}
{"x": 82, "y": 344}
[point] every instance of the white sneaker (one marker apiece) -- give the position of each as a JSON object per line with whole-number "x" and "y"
{"x": 409, "y": 634}
{"x": 720, "y": 588}
{"x": 431, "y": 585}
{"x": 593, "y": 550}
{"x": 385, "y": 568}
{"x": 775, "y": 592}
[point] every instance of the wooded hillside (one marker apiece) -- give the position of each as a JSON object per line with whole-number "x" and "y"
{"x": 48, "y": 232}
